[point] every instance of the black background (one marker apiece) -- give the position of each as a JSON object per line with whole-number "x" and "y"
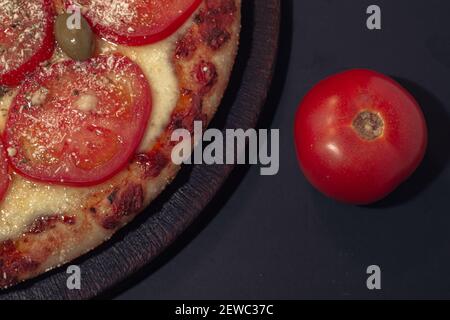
{"x": 276, "y": 237}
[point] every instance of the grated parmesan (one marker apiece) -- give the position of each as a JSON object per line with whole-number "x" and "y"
{"x": 21, "y": 32}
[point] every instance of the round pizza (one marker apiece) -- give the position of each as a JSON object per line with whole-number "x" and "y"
{"x": 90, "y": 94}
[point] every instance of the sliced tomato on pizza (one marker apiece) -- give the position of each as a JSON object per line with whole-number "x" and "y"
{"x": 79, "y": 123}
{"x": 26, "y": 38}
{"x": 136, "y": 22}
{"x": 4, "y": 176}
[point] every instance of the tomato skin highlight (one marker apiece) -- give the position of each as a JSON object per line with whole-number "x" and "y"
{"x": 336, "y": 153}
{"x": 43, "y": 53}
{"x": 149, "y": 36}
{"x": 86, "y": 126}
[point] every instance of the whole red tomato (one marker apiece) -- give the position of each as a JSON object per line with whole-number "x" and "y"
{"x": 359, "y": 135}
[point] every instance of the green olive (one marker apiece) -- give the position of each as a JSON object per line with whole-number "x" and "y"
{"x": 76, "y": 41}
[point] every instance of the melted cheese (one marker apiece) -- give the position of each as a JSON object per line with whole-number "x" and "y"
{"x": 5, "y": 103}
{"x": 27, "y": 201}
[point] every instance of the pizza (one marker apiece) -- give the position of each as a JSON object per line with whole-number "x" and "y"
{"x": 90, "y": 94}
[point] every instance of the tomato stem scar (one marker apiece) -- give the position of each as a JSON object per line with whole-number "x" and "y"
{"x": 369, "y": 125}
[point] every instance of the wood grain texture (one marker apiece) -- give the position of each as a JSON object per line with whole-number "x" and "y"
{"x": 160, "y": 225}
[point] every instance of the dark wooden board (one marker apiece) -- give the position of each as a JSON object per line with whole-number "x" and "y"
{"x": 160, "y": 225}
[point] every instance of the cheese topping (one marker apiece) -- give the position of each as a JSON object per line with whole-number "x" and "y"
{"x": 87, "y": 103}
{"x": 26, "y": 200}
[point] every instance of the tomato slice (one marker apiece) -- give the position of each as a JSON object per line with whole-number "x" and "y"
{"x": 136, "y": 22}
{"x": 79, "y": 123}
{"x": 4, "y": 176}
{"x": 26, "y": 37}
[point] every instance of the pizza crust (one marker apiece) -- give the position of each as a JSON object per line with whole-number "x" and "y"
{"x": 202, "y": 55}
